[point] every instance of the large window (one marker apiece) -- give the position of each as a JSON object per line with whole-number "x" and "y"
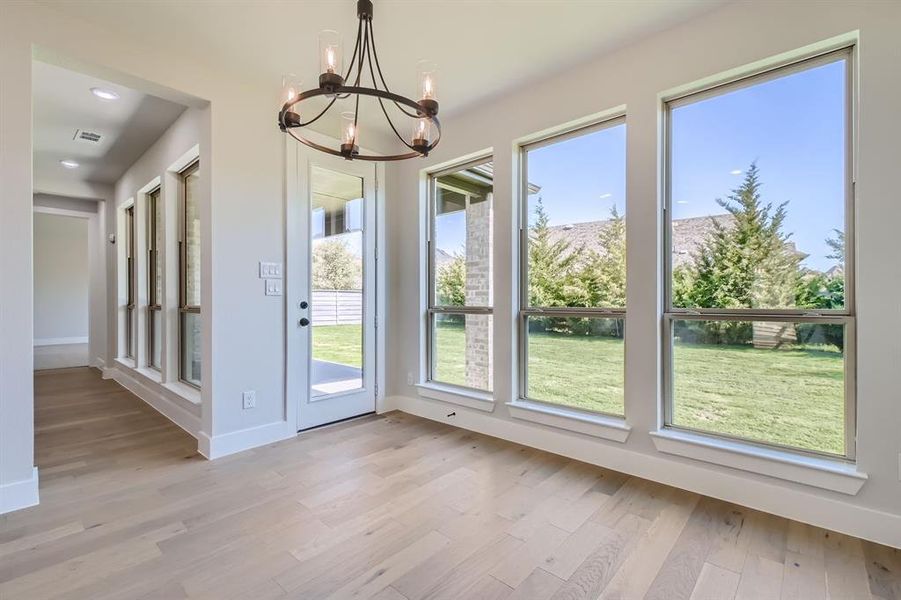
{"x": 154, "y": 278}
{"x": 189, "y": 340}
{"x": 760, "y": 310}
{"x": 573, "y": 252}
{"x": 461, "y": 227}
{"x": 130, "y": 282}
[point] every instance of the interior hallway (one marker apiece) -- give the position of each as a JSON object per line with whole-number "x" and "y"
{"x": 393, "y": 507}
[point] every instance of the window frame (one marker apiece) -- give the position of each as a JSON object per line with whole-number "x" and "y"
{"x": 130, "y": 281}
{"x": 525, "y": 310}
{"x": 845, "y": 316}
{"x": 154, "y": 197}
{"x": 183, "y": 306}
{"x": 432, "y": 308}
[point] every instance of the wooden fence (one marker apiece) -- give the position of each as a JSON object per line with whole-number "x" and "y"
{"x": 337, "y": 307}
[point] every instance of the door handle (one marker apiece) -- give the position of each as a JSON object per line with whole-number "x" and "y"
{"x": 304, "y": 322}
{"x": 303, "y": 304}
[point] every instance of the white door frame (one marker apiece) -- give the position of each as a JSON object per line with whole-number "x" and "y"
{"x": 296, "y": 272}
{"x": 96, "y": 276}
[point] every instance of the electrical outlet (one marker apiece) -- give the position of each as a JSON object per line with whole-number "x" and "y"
{"x": 249, "y": 399}
{"x": 410, "y": 379}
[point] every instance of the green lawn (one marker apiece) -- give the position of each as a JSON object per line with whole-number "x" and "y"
{"x": 792, "y": 397}
{"x": 339, "y": 343}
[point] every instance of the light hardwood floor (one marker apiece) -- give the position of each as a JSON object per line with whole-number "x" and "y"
{"x": 391, "y": 507}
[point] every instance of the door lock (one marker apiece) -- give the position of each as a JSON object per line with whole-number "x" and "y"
{"x": 304, "y": 322}
{"x": 304, "y": 304}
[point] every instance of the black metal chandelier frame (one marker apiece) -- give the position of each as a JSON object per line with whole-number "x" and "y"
{"x": 332, "y": 85}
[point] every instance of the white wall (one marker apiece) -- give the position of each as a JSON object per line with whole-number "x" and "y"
{"x": 61, "y": 279}
{"x": 732, "y": 37}
{"x": 93, "y": 211}
{"x": 242, "y": 196}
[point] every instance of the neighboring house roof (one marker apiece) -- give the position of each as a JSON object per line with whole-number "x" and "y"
{"x": 442, "y": 257}
{"x": 688, "y": 235}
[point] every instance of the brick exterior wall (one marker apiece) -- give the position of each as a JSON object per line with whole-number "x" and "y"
{"x": 479, "y": 274}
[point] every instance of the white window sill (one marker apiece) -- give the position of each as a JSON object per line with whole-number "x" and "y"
{"x": 460, "y": 396}
{"x": 126, "y": 362}
{"x": 835, "y": 475}
{"x": 184, "y": 390}
{"x": 151, "y": 374}
{"x": 599, "y": 426}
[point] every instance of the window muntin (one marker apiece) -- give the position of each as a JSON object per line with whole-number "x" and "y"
{"x": 759, "y": 317}
{"x": 573, "y": 269}
{"x": 130, "y": 281}
{"x": 154, "y": 278}
{"x": 190, "y": 330}
{"x": 460, "y": 251}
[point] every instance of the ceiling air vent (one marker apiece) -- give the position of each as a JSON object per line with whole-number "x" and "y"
{"x": 83, "y": 135}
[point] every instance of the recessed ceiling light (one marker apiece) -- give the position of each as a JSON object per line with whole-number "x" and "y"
{"x": 104, "y": 94}
{"x": 735, "y": 172}
{"x": 69, "y": 164}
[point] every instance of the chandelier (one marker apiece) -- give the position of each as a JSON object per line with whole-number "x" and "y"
{"x": 333, "y": 85}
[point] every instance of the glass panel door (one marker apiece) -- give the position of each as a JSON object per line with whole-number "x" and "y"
{"x": 337, "y": 282}
{"x": 330, "y": 288}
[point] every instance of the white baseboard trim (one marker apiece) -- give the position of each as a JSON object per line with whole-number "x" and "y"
{"x": 162, "y": 400}
{"x": 63, "y": 341}
{"x": 233, "y": 442}
{"x": 716, "y": 482}
{"x": 17, "y": 495}
{"x": 98, "y": 363}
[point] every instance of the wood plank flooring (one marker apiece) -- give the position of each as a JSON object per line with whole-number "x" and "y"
{"x": 391, "y": 507}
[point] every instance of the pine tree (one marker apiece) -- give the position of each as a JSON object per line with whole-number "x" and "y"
{"x": 603, "y": 274}
{"x": 748, "y": 263}
{"x": 550, "y": 263}
{"x": 837, "y": 245}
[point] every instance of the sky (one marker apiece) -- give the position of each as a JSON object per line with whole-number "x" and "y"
{"x": 793, "y": 127}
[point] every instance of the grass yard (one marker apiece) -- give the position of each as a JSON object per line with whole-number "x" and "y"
{"x": 341, "y": 344}
{"x": 792, "y": 397}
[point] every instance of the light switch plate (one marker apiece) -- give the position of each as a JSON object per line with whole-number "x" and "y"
{"x": 270, "y": 270}
{"x": 273, "y": 287}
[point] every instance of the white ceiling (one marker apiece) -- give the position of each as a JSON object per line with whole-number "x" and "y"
{"x": 482, "y": 47}
{"x": 63, "y": 103}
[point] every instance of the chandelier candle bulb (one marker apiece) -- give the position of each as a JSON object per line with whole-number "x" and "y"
{"x": 426, "y": 74}
{"x": 331, "y": 63}
{"x": 422, "y": 135}
{"x": 291, "y": 88}
{"x": 349, "y": 132}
